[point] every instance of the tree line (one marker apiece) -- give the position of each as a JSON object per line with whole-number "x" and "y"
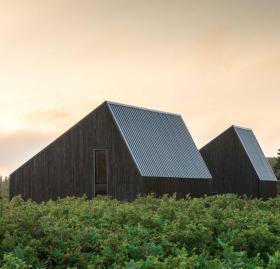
{"x": 4, "y": 186}
{"x": 277, "y": 165}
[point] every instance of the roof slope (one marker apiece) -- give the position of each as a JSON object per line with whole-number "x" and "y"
{"x": 255, "y": 153}
{"x": 159, "y": 143}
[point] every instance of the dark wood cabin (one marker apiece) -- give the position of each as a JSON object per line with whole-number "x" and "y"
{"x": 238, "y": 165}
{"x": 116, "y": 150}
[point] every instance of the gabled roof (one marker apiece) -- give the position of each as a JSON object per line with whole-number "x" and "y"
{"x": 255, "y": 153}
{"x": 159, "y": 143}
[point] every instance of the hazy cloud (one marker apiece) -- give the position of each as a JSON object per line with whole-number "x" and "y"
{"x": 47, "y": 120}
{"x": 18, "y": 147}
{"x": 47, "y": 115}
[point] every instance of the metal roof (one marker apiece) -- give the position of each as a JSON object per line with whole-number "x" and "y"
{"x": 159, "y": 143}
{"x": 255, "y": 153}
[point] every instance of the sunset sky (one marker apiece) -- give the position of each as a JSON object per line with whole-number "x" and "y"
{"x": 216, "y": 63}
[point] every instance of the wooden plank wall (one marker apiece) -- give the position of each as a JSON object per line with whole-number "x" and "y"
{"x": 267, "y": 189}
{"x": 230, "y": 166}
{"x": 124, "y": 170}
{"x": 182, "y": 187}
{"x": 65, "y": 167}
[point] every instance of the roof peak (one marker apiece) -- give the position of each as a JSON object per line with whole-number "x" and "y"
{"x": 240, "y": 127}
{"x": 232, "y": 127}
{"x": 141, "y": 108}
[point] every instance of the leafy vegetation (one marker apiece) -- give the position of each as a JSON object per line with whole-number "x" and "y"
{"x": 277, "y": 166}
{"x": 213, "y": 232}
{"x": 4, "y": 187}
{"x": 272, "y": 161}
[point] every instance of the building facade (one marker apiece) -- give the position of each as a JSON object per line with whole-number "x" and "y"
{"x": 238, "y": 164}
{"x": 117, "y": 150}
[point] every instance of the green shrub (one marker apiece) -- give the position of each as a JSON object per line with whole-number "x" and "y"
{"x": 213, "y": 232}
{"x": 4, "y": 187}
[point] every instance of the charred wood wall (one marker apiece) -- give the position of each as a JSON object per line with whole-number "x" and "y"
{"x": 231, "y": 168}
{"x": 182, "y": 187}
{"x": 66, "y": 168}
{"x": 267, "y": 189}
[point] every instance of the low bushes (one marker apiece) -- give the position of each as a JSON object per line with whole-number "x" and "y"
{"x": 213, "y": 232}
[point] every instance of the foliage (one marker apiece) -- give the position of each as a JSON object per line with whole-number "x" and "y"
{"x": 213, "y": 232}
{"x": 277, "y": 166}
{"x": 4, "y": 187}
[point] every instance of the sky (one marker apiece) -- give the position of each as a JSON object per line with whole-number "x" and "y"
{"x": 217, "y": 63}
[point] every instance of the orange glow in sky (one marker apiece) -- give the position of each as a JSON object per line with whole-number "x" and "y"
{"x": 216, "y": 63}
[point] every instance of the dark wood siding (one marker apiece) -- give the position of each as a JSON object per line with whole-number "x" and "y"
{"x": 267, "y": 189}
{"x": 124, "y": 171}
{"x": 66, "y": 166}
{"x": 182, "y": 187}
{"x": 231, "y": 168}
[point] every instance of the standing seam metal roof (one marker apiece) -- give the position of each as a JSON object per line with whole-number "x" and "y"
{"x": 255, "y": 154}
{"x": 159, "y": 143}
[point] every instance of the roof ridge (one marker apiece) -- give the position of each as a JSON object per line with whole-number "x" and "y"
{"x": 240, "y": 127}
{"x": 143, "y": 108}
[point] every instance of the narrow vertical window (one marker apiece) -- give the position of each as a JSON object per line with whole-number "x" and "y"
{"x": 100, "y": 166}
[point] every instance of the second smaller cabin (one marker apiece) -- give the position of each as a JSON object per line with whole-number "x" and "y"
{"x": 238, "y": 164}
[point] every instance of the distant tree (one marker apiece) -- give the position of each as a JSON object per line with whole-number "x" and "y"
{"x": 277, "y": 165}
{"x": 4, "y": 186}
{"x": 1, "y": 182}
